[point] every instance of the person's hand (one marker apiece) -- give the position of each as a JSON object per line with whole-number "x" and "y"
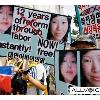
{"x": 36, "y": 83}
{"x": 46, "y": 92}
{"x": 24, "y": 77}
{"x": 20, "y": 71}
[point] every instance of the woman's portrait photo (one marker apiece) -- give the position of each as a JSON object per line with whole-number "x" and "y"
{"x": 68, "y": 67}
{"x": 6, "y": 17}
{"x": 90, "y": 68}
{"x": 59, "y": 27}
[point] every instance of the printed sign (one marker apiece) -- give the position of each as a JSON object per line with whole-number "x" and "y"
{"x": 76, "y": 68}
{"x": 90, "y": 18}
{"x": 35, "y": 35}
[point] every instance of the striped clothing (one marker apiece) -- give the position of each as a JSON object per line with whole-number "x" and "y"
{"x": 33, "y": 72}
{"x": 38, "y": 72}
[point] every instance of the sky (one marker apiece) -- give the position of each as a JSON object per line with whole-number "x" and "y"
{"x": 70, "y": 10}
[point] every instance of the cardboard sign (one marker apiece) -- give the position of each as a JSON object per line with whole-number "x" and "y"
{"x": 89, "y": 18}
{"x": 30, "y": 35}
{"x": 86, "y": 69}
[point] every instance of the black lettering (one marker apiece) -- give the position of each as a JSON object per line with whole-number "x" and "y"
{"x": 83, "y": 21}
{"x": 21, "y": 37}
{"x": 21, "y": 12}
{"x": 40, "y": 42}
{"x": 92, "y": 19}
{"x": 36, "y": 59}
{"x": 98, "y": 17}
{"x": 40, "y": 16}
{"x": 45, "y": 53}
{"x": 34, "y": 15}
{"x": 87, "y": 20}
{"x": 10, "y": 54}
{"x": 17, "y": 20}
{"x": 46, "y": 43}
{"x": 53, "y": 44}
{"x": 16, "y": 28}
{"x": 15, "y": 55}
{"x": 47, "y": 17}
{"x": 30, "y": 14}
{"x": 42, "y": 60}
{"x": 4, "y": 45}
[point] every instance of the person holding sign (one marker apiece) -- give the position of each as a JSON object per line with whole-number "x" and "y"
{"x": 68, "y": 67}
{"x": 59, "y": 27}
{"x": 90, "y": 61}
{"x": 6, "y": 17}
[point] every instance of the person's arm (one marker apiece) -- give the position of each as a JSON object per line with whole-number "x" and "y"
{"x": 36, "y": 83}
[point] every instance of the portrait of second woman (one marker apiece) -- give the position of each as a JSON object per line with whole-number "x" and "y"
{"x": 68, "y": 67}
{"x": 59, "y": 27}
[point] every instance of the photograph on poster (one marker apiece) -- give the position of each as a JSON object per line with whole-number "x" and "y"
{"x": 90, "y": 68}
{"x": 59, "y": 27}
{"x": 33, "y": 26}
{"x": 68, "y": 67}
{"x": 6, "y": 18}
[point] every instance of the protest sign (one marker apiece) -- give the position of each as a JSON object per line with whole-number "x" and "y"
{"x": 89, "y": 20}
{"x": 87, "y": 69}
{"x": 30, "y": 35}
{"x": 67, "y": 70}
{"x": 30, "y": 21}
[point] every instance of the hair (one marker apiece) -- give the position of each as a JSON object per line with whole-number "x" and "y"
{"x": 61, "y": 58}
{"x": 49, "y": 35}
{"x": 9, "y": 29}
{"x": 18, "y": 84}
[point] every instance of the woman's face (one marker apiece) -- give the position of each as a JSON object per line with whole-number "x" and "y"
{"x": 68, "y": 67}
{"x": 59, "y": 27}
{"x": 91, "y": 67}
{"x": 6, "y": 16}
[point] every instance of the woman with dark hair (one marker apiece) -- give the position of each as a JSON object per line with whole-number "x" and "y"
{"x": 59, "y": 27}
{"x": 68, "y": 67}
{"x": 19, "y": 86}
{"x": 90, "y": 70}
{"x": 6, "y": 17}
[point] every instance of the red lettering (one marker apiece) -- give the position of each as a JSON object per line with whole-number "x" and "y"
{"x": 90, "y": 29}
{"x": 98, "y": 25}
{"x": 95, "y": 28}
{"x": 81, "y": 7}
{"x": 85, "y": 29}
